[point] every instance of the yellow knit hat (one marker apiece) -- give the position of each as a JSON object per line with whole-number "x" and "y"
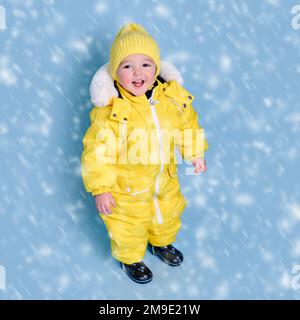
{"x": 133, "y": 39}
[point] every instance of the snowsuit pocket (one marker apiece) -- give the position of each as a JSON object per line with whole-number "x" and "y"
{"x": 133, "y": 185}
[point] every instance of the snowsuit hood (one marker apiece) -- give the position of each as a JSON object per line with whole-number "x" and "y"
{"x": 102, "y": 87}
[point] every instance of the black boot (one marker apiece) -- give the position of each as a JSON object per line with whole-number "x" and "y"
{"x": 138, "y": 272}
{"x": 168, "y": 254}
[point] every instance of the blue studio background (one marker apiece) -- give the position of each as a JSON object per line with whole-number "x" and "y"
{"x": 240, "y": 232}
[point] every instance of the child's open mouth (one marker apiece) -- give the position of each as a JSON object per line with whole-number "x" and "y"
{"x": 138, "y": 83}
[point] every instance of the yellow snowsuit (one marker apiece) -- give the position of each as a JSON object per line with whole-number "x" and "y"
{"x": 141, "y": 176}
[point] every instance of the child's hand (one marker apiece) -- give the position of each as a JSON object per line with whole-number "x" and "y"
{"x": 199, "y": 165}
{"x": 104, "y": 202}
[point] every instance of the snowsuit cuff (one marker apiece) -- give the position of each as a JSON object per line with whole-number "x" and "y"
{"x": 95, "y": 192}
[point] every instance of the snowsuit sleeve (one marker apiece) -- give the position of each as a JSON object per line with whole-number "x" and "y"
{"x": 97, "y": 161}
{"x": 193, "y": 143}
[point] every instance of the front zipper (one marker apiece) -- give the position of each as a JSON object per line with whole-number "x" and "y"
{"x": 162, "y": 160}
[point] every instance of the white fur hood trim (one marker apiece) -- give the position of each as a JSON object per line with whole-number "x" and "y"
{"x": 102, "y": 87}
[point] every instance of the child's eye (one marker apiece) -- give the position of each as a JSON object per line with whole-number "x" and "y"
{"x": 146, "y": 65}
{"x": 127, "y": 66}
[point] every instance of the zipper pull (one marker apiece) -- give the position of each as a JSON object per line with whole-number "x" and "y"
{"x": 153, "y": 102}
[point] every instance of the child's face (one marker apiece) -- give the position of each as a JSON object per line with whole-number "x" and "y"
{"x": 136, "y": 73}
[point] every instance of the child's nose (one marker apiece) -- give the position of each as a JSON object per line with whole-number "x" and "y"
{"x": 137, "y": 71}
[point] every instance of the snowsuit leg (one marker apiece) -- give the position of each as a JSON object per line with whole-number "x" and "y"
{"x": 171, "y": 205}
{"x": 128, "y": 225}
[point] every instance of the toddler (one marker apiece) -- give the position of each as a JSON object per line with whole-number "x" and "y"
{"x": 128, "y": 164}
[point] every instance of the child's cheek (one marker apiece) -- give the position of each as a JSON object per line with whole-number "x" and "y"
{"x": 127, "y": 79}
{"x": 124, "y": 78}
